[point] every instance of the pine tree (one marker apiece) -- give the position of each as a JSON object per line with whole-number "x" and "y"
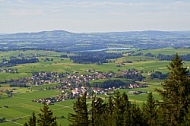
{"x": 108, "y": 115}
{"x": 136, "y": 116}
{"x": 121, "y": 103}
{"x": 175, "y": 93}
{"x": 46, "y": 117}
{"x": 150, "y": 111}
{"x": 98, "y": 111}
{"x": 32, "y": 120}
{"x": 80, "y": 118}
{"x": 126, "y": 114}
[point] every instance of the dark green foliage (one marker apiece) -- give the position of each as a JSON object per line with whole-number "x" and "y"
{"x": 120, "y": 105}
{"x": 150, "y": 111}
{"x": 46, "y": 117}
{"x": 98, "y": 112}
{"x": 112, "y": 83}
{"x": 32, "y": 120}
{"x": 108, "y": 116}
{"x": 175, "y": 93}
{"x": 136, "y": 116}
{"x": 80, "y": 118}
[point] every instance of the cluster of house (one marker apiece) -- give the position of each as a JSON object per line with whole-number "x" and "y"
{"x": 137, "y": 85}
{"x": 40, "y": 78}
{"x": 137, "y": 92}
{"x": 74, "y": 82}
{"x": 51, "y": 100}
{"x": 74, "y": 94}
{"x": 8, "y": 70}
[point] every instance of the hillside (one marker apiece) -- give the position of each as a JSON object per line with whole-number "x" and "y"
{"x": 61, "y": 40}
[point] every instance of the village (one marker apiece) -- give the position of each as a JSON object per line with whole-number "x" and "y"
{"x": 75, "y": 84}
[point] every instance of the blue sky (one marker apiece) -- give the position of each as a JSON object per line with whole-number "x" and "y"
{"x": 93, "y": 15}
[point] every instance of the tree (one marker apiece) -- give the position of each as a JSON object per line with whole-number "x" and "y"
{"x": 32, "y": 120}
{"x": 175, "y": 93}
{"x": 136, "y": 116}
{"x": 80, "y": 118}
{"x": 98, "y": 112}
{"x": 121, "y": 105}
{"x": 46, "y": 117}
{"x": 108, "y": 112}
{"x": 150, "y": 111}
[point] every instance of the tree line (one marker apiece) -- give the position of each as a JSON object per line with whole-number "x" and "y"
{"x": 94, "y": 57}
{"x": 15, "y": 61}
{"x": 168, "y": 57}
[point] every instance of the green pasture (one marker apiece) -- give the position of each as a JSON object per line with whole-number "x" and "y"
{"x": 21, "y": 107}
{"x": 25, "y": 70}
{"x": 7, "y": 54}
{"x": 66, "y": 65}
{"x": 167, "y": 51}
{"x": 141, "y": 98}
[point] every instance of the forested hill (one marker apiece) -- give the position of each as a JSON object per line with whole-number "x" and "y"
{"x": 66, "y": 41}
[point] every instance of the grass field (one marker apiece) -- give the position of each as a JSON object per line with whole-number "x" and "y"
{"x": 21, "y": 105}
{"x": 65, "y": 65}
{"x": 168, "y": 51}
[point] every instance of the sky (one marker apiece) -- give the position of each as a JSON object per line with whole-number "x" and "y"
{"x": 81, "y": 16}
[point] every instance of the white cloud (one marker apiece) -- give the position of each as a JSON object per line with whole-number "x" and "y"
{"x": 93, "y": 15}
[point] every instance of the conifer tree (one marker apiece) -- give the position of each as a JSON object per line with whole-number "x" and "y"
{"x": 80, "y": 118}
{"x": 98, "y": 110}
{"x": 46, "y": 117}
{"x": 121, "y": 103}
{"x": 175, "y": 93}
{"x": 136, "y": 116}
{"x": 32, "y": 120}
{"x": 150, "y": 111}
{"x": 108, "y": 115}
{"x": 126, "y": 114}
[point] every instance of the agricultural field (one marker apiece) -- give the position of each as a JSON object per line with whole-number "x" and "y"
{"x": 167, "y": 51}
{"x": 20, "y": 106}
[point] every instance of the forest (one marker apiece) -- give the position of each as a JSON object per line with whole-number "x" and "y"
{"x": 94, "y": 57}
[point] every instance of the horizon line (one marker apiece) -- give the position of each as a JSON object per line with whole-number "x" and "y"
{"x": 91, "y": 32}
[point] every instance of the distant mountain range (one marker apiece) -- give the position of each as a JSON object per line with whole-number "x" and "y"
{"x": 61, "y": 40}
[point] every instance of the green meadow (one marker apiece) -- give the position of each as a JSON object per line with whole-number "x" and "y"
{"x": 20, "y": 106}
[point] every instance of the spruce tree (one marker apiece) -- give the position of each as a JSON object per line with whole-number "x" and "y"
{"x": 121, "y": 103}
{"x": 136, "y": 116}
{"x": 150, "y": 111}
{"x": 109, "y": 114}
{"x": 46, "y": 117}
{"x": 80, "y": 118}
{"x": 175, "y": 93}
{"x": 32, "y": 120}
{"x": 126, "y": 114}
{"x": 98, "y": 111}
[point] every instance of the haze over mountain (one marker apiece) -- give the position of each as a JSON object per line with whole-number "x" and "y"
{"x": 67, "y": 41}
